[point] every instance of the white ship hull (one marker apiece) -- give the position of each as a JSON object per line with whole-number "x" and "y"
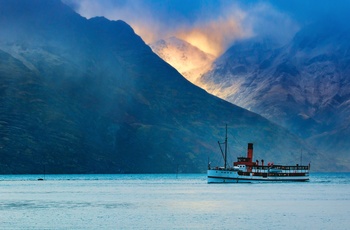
{"x": 229, "y": 176}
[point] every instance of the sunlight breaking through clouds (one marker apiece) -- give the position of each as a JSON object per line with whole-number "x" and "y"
{"x": 216, "y": 35}
{"x": 211, "y": 30}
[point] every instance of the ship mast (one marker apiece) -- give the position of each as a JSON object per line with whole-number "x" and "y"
{"x": 226, "y": 148}
{"x": 224, "y": 154}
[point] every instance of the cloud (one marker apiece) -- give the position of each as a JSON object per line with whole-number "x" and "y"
{"x": 266, "y": 20}
{"x": 212, "y": 26}
{"x": 216, "y": 34}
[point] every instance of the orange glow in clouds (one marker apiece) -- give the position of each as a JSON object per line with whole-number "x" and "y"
{"x": 213, "y": 37}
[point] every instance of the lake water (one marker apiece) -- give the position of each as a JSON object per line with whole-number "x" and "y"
{"x": 183, "y": 201}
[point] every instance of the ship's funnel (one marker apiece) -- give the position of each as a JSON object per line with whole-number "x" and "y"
{"x": 250, "y": 152}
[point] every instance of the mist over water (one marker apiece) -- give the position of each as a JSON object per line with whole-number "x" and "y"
{"x": 183, "y": 201}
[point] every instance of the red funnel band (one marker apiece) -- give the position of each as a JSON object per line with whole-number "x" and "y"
{"x": 250, "y": 152}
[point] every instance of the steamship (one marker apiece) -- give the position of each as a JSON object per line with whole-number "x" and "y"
{"x": 245, "y": 170}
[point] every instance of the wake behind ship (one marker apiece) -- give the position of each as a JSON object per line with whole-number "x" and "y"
{"x": 245, "y": 170}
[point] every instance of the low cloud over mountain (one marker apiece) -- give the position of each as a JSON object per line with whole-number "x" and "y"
{"x": 189, "y": 60}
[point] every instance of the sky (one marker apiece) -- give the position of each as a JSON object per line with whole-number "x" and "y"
{"x": 212, "y": 25}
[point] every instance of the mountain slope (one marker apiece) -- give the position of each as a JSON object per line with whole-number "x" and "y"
{"x": 88, "y": 96}
{"x": 303, "y": 86}
{"x": 190, "y": 61}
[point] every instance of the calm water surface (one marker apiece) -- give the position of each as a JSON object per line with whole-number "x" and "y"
{"x": 183, "y": 201}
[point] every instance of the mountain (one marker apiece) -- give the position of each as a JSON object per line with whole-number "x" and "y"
{"x": 303, "y": 85}
{"x": 189, "y": 60}
{"x": 89, "y": 96}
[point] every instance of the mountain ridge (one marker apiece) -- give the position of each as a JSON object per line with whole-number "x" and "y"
{"x": 96, "y": 99}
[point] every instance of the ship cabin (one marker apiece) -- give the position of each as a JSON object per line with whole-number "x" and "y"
{"x": 246, "y": 164}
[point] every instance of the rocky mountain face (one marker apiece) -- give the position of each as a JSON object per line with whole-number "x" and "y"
{"x": 89, "y": 96}
{"x": 303, "y": 85}
{"x": 190, "y": 61}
